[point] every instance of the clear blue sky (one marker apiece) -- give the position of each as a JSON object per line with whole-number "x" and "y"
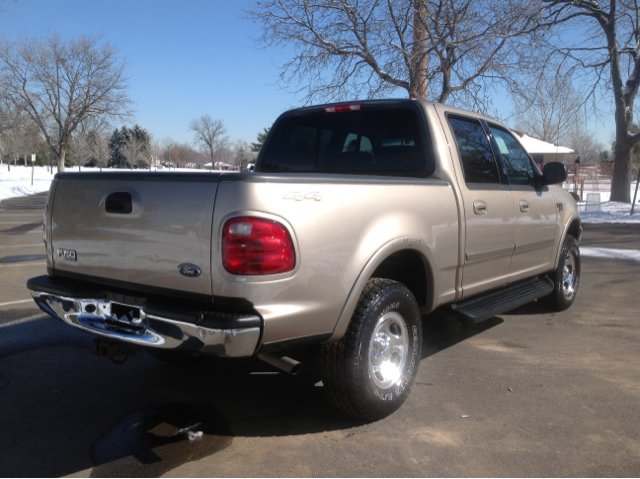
{"x": 187, "y": 58}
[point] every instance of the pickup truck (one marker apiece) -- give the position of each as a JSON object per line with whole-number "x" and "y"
{"x": 358, "y": 219}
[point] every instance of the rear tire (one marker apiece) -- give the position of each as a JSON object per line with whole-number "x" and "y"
{"x": 566, "y": 277}
{"x": 370, "y": 372}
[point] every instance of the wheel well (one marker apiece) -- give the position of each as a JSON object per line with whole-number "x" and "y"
{"x": 575, "y": 229}
{"x": 406, "y": 267}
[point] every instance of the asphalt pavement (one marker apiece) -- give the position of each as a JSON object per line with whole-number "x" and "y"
{"x": 527, "y": 393}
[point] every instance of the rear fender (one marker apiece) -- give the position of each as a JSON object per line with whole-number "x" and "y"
{"x": 394, "y": 246}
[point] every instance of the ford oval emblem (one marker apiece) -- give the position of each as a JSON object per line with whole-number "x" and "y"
{"x": 189, "y": 270}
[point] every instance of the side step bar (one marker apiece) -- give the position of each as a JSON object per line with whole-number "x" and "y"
{"x": 486, "y": 305}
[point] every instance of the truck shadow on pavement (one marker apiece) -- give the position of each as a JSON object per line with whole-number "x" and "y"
{"x": 136, "y": 420}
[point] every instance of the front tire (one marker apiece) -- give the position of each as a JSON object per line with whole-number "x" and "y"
{"x": 566, "y": 277}
{"x": 370, "y": 372}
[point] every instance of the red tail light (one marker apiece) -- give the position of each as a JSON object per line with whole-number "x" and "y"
{"x": 256, "y": 246}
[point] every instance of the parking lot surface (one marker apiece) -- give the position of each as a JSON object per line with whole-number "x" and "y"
{"x": 527, "y": 393}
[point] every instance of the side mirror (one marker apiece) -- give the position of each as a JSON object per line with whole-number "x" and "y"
{"x": 554, "y": 173}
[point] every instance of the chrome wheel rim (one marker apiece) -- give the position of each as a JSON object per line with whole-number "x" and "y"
{"x": 569, "y": 275}
{"x": 388, "y": 350}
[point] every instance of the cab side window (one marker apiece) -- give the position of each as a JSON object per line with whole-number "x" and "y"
{"x": 516, "y": 160}
{"x": 478, "y": 163}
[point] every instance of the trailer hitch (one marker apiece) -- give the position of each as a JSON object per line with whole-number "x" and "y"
{"x": 114, "y": 351}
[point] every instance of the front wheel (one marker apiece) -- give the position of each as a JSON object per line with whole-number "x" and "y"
{"x": 370, "y": 372}
{"x": 566, "y": 277}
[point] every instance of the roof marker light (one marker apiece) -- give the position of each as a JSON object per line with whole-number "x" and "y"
{"x": 341, "y": 108}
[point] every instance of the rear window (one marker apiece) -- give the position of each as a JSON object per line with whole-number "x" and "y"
{"x": 368, "y": 141}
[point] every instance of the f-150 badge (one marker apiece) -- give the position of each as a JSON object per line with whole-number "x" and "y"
{"x": 296, "y": 195}
{"x": 69, "y": 254}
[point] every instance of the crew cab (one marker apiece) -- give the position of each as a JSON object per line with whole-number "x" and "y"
{"x": 358, "y": 218}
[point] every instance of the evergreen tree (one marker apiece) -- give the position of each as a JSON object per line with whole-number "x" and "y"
{"x": 256, "y": 147}
{"x": 120, "y": 137}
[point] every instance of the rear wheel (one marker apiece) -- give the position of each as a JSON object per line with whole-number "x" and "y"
{"x": 370, "y": 372}
{"x": 566, "y": 277}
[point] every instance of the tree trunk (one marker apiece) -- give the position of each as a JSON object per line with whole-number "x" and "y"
{"x": 61, "y": 160}
{"x": 419, "y": 59}
{"x": 622, "y": 154}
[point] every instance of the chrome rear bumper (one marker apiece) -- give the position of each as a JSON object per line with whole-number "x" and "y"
{"x": 96, "y": 316}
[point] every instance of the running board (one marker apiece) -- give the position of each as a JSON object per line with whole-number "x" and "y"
{"x": 496, "y": 301}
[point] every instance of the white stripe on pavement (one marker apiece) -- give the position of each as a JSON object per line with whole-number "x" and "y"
{"x": 21, "y": 214}
{"x": 23, "y": 320}
{"x": 38, "y": 263}
{"x": 16, "y": 302}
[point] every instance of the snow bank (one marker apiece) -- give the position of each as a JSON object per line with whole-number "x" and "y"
{"x": 610, "y": 253}
{"x": 611, "y": 211}
{"x": 17, "y": 182}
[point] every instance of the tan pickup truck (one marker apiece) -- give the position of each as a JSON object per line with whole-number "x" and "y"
{"x": 358, "y": 218}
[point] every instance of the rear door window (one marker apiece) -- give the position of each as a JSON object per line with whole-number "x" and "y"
{"x": 292, "y": 145}
{"x": 376, "y": 141}
{"x": 478, "y": 163}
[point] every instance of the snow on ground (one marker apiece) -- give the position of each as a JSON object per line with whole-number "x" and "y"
{"x": 17, "y": 182}
{"x": 610, "y": 211}
{"x": 610, "y": 253}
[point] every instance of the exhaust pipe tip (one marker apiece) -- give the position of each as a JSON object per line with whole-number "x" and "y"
{"x": 284, "y": 363}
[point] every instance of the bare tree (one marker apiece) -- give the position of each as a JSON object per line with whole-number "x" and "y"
{"x": 99, "y": 146}
{"x": 179, "y": 154}
{"x": 604, "y": 48}
{"x": 9, "y": 146}
{"x": 430, "y": 48}
{"x": 59, "y": 84}
{"x": 549, "y": 107}
{"x": 81, "y": 149}
{"x": 29, "y": 137}
{"x": 135, "y": 151}
{"x": 242, "y": 154}
{"x": 585, "y": 145}
{"x": 210, "y": 134}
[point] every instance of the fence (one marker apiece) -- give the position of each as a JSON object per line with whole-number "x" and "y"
{"x": 589, "y": 178}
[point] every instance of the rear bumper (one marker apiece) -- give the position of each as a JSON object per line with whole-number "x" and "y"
{"x": 142, "y": 322}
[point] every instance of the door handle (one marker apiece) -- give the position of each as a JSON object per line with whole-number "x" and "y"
{"x": 480, "y": 208}
{"x": 119, "y": 203}
{"x": 524, "y": 206}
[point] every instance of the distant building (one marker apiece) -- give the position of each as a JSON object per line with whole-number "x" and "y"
{"x": 219, "y": 165}
{"x": 544, "y": 152}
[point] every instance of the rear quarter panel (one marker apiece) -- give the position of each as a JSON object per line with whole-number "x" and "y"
{"x": 335, "y": 238}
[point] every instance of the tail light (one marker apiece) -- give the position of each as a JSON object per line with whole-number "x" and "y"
{"x": 256, "y": 246}
{"x": 341, "y": 108}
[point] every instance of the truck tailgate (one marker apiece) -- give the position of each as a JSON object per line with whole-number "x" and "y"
{"x": 168, "y": 224}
